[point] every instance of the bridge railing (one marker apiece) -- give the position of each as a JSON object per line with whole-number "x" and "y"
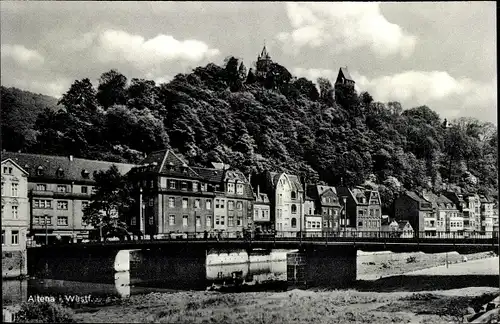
{"x": 325, "y": 236}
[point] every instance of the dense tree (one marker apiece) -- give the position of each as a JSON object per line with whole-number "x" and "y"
{"x": 111, "y": 202}
{"x": 279, "y": 123}
{"x": 111, "y": 90}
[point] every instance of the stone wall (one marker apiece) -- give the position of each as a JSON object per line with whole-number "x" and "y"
{"x": 14, "y": 264}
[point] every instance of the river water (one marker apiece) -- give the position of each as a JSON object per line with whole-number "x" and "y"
{"x": 222, "y": 270}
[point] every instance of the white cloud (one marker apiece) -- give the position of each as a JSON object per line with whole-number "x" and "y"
{"x": 450, "y": 97}
{"x": 23, "y": 56}
{"x": 344, "y": 26}
{"x": 147, "y": 54}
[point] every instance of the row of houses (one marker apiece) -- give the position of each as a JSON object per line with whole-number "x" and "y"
{"x": 437, "y": 215}
{"x": 45, "y": 196}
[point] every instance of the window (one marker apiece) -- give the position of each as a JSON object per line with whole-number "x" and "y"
{"x": 371, "y": 212}
{"x": 294, "y": 195}
{"x": 239, "y": 189}
{"x": 62, "y": 204}
{"x": 171, "y": 202}
{"x": 196, "y": 186}
{"x": 84, "y": 189}
{"x": 239, "y": 205}
{"x": 217, "y": 220}
{"x": 208, "y": 221}
{"x": 184, "y": 203}
{"x": 171, "y": 184}
{"x": 294, "y": 222}
{"x": 184, "y": 220}
{"x": 61, "y": 188}
{"x": 294, "y": 209}
{"x": 184, "y": 185}
{"x": 239, "y": 221}
{"x": 85, "y": 174}
{"x": 263, "y": 214}
{"x": 230, "y": 205}
{"x": 14, "y": 212}
{"x": 46, "y": 220}
{"x": 230, "y": 187}
{"x": 310, "y": 211}
{"x": 62, "y": 221}
{"x": 3, "y": 237}
{"x": 256, "y": 213}
{"x": 361, "y": 213}
{"x": 360, "y": 223}
{"x": 15, "y": 238}
{"x": 14, "y": 188}
{"x": 197, "y": 203}
{"x": 222, "y": 219}
{"x": 330, "y": 212}
{"x": 7, "y": 170}
{"x": 151, "y": 220}
{"x": 208, "y": 204}
{"x": 41, "y": 187}
{"x": 309, "y": 225}
{"x": 84, "y": 204}
{"x": 222, "y": 203}
{"x": 230, "y": 221}
{"x": 171, "y": 220}
{"x": 133, "y": 221}
{"x": 60, "y": 172}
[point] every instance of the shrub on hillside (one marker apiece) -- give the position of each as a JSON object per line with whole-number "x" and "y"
{"x": 44, "y": 312}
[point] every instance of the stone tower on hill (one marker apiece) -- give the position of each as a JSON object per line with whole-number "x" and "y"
{"x": 263, "y": 63}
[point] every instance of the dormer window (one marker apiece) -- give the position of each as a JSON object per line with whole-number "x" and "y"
{"x": 230, "y": 187}
{"x": 239, "y": 189}
{"x": 184, "y": 168}
{"x": 39, "y": 170}
{"x": 294, "y": 195}
{"x": 60, "y": 172}
{"x": 170, "y": 166}
{"x": 85, "y": 174}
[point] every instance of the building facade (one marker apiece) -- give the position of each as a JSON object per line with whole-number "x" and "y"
{"x": 448, "y": 219}
{"x": 487, "y": 215}
{"x": 328, "y": 205}
{"x": 179, "y": 199}
{"x": 15, "y": 219}
{"x": 285, "y": 193}
{"x": 59, "y": 188}
{"x": 418, "y": 211}
{"x": 262, "y": 213}
{"x": 363, "y": 207}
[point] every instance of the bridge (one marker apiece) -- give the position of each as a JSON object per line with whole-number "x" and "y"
{"x": 184, "y": 258}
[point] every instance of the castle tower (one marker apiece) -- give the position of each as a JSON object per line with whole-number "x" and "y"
{"x": 263, "y": 63}
{"x": 344, "y": 77}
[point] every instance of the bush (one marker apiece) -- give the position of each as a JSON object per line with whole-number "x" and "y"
{"x": 44, "y": 312}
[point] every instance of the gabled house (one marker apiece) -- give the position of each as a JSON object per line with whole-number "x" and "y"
{"x": 470, "y": 208}
{"x": 364, "y": 211}
{"x": 448, "y": 218}
{"x": 285, "y": 193}
{"x": 59, "y": 188}
{"x": 174, "y": 197}
{"x": 262, "y": 213}
{"x": 15, "y": 219}
{"x": 487, "y": 216}
{"x": 328, "y": 205}
{"x": 313, "y": 220}
{"x": 405, "y": 229}
{"x": 418, "y": 211}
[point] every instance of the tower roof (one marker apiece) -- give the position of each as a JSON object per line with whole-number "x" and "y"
{"x": 264, "y": 53}
{"x": 346, "y": 74}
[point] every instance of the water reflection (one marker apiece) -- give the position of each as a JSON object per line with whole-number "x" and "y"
{"x": 256, "y": 268}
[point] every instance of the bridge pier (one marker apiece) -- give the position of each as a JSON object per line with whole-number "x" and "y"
{"x": 320, "y": 266}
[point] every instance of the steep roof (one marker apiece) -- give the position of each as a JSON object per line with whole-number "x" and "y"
{"x": 5, "y": 160}
{"x": 346, "y": 73}
{"x": 210, "y": 175}
{"x": 167, "y": 162}
{"x": 402, "y": 224}
{"x": 415, "y": 196}
{"x": 73, "y": 169}
{"x": 273, "y": 178}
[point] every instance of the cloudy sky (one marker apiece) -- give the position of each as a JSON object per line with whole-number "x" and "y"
{"x": 442, "y": 55}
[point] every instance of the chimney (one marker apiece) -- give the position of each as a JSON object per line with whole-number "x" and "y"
{"x": 71, "y": 157}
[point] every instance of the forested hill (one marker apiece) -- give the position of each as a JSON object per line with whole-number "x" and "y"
{"x": 256, "y": 121}
{"x": 20, "y": 110}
